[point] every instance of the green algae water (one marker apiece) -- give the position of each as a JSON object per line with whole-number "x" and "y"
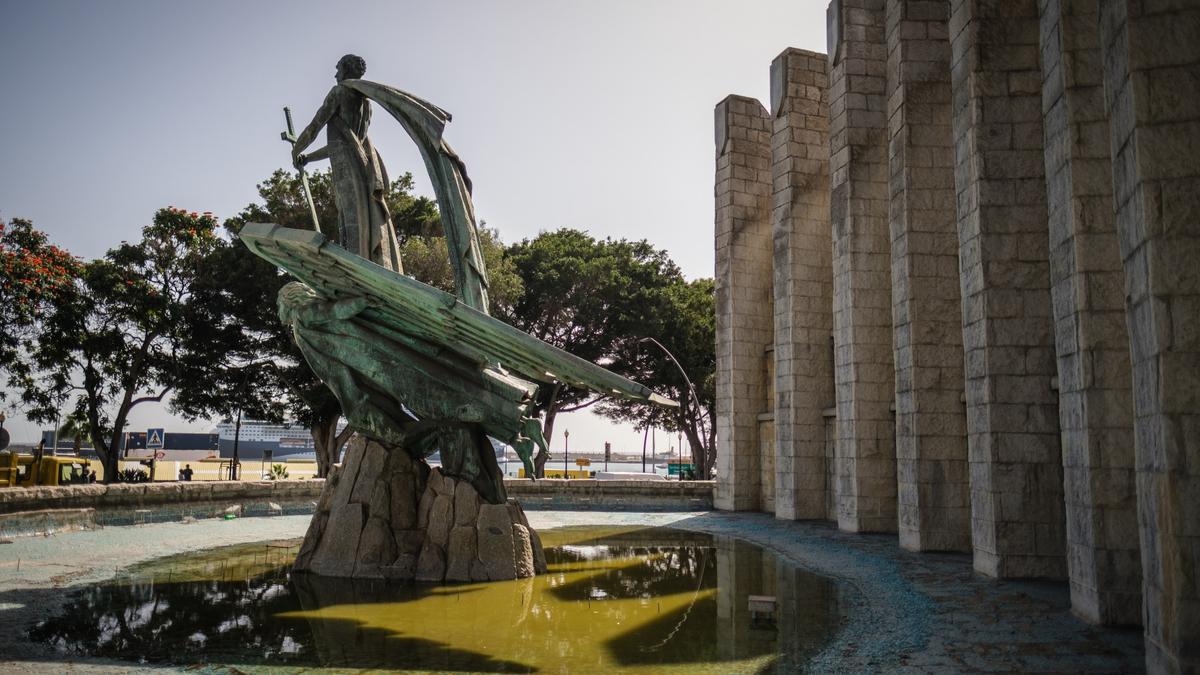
{"x": 615, "y": 600}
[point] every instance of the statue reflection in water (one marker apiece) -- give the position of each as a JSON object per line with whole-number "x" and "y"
{"x": 622, "y": 599}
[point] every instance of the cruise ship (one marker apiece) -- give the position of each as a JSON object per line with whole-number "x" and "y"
{"x": 289, "y": 439}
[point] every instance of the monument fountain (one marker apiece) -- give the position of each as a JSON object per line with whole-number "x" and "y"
{"x": 417, "y": 370}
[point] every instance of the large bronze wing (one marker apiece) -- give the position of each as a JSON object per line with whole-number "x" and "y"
{"x": 408, "y": 306}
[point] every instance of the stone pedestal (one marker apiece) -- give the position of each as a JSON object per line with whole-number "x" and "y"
{"x": 384, "y": 515}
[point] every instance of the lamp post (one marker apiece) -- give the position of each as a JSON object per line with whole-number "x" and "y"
{"x": 645, "y": 437}
{"x": 566, "y": 452}
{"x": 679, "y": 444}
{"x": 691, "y": 393}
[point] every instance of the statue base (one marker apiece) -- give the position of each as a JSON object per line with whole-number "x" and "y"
{"x": 384, "y": 515}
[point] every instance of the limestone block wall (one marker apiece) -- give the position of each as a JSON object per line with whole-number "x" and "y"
{"x": 803, "y": 282}
{"x": 766, "y": 458}
{"x": 744, "y": 324}
{"x": 1094, "y": 373}
{"x": 931, "y": 447}
{"x": 862, "y": 317}
{"x": 766, "y": 437}
{"x": 1013, "y": 235}
{"x": 1151, "y": 57}
{"x": 1008, "y": 338}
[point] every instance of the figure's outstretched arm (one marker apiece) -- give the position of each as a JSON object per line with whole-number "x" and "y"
{"x": 319, "y": 120}
{"x": 315, "y": 155}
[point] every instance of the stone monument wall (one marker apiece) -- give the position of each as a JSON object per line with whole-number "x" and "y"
{"x": 992, "y": 208}
{"x": 862, "y": 315}
{"x": 933, "y": 495}
{"x": 1094, "y": 372}
{"x": 743, "y": 296}
{"x": 1151, "y": 57}
{"x": 803, "y": 278}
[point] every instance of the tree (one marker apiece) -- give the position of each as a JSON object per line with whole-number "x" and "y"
{"x": 250, "y": 365}
{"x": 75, "y": 427}
{"x": 35, "y": 277}
{"x": 427, "y": 259}
{"x": 593, "y": 298}
{"x": 114, "y": 342}
{"x": 686, "y": 327}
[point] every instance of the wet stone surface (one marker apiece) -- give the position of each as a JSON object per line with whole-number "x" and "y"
{"x": 894, "y": 610}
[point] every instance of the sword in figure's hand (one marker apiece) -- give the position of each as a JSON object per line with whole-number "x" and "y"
{"x": 290, "y": 137}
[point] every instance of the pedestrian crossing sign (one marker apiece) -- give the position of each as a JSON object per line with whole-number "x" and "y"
{"x": 154, "y": 438}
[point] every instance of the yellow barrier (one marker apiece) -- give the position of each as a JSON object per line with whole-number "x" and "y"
{"x": 558, "y": 473}
{"x": 212, "y": 469}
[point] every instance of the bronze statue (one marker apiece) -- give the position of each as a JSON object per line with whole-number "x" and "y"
{"x": 416, "y": 370}
{"x": 359, "y": 178}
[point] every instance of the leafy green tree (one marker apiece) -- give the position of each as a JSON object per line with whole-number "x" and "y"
{"x": 114, "y": 342}
{"x": 250, "y": 366}
{"x": 426, "y": 259}
{"x": 35, "y": 277}
{"x": 686, "y": 327}
{"x": 75, "y": 427}
{"x": 593, "y": 298}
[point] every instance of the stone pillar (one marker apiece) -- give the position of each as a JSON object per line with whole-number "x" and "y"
{"x": 1094, "y": 376}
{"x": 1008, "y": 338}
{"x": 934, "y": 495}
{"x": 1151, "y": 55}
{"x": 766, "y": 440}
{"x": 743, "y": 295}
{"x": 803, "y": 281}
{"x": 862, "y": 318}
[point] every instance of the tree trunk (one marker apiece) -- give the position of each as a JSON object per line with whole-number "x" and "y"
{"x": 702, "y": 448}
{"x": 322, "y": 433}
{"x": 543, "y": 456}
{"x": 328, "y": 443}
{"x": 110, "y": 467}
{"x": 699, "y": 451}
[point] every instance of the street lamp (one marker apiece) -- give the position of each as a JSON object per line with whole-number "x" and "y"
{"x": 566, "y": 452}
{"x": 691, "y": 392}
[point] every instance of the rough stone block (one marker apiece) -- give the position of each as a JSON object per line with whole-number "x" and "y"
{"x": 496, "y": 546}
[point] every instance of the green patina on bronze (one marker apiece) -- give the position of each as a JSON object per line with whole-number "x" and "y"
{"x": 414, "y": 367}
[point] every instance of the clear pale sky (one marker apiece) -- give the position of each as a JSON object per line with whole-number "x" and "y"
{"x": 596, "y": 115}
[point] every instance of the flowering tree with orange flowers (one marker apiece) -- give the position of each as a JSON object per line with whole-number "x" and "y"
{"x": 35, "y": 277}
{"x": 114, "y": 340}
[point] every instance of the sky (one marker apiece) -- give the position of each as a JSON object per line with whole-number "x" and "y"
{"x": 596, "y": 115}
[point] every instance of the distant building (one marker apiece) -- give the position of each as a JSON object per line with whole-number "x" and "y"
{"x": 132, "y": 441}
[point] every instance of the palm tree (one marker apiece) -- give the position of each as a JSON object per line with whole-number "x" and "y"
{"x": 74, "y": 426}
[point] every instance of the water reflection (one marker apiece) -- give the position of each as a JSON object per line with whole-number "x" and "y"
{"x": 648, "y": 600}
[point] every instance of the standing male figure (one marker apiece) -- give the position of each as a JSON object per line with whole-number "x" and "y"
{"x": 360, "y": 181}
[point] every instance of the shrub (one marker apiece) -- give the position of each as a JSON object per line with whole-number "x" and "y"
{"x": 132, "y": 476}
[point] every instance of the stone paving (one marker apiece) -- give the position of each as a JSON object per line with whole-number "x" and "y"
{"x": 905, "y": 612}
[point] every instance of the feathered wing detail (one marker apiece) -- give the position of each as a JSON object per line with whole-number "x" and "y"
{"x": 424, "y": 123}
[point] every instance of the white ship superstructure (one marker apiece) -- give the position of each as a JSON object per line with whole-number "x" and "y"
{"x": 289, "y": 438}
